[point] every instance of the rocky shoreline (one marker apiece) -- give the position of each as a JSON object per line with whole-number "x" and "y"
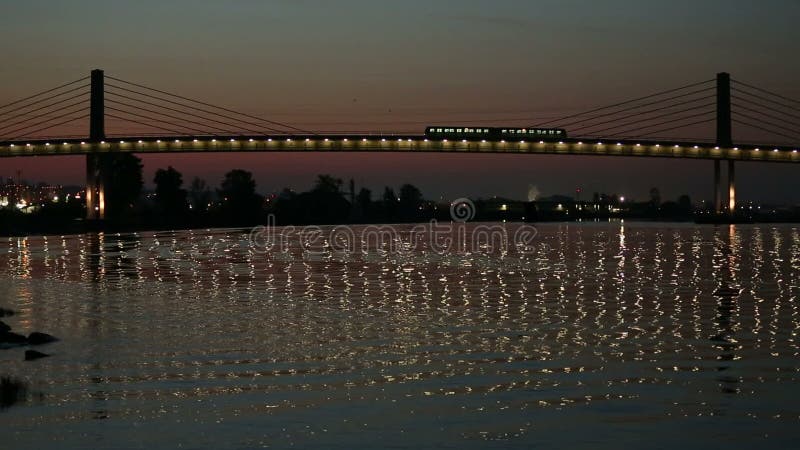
{"x": 9, "y": 339}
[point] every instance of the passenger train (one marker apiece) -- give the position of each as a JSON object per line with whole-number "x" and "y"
{"x": 493, "y": 133}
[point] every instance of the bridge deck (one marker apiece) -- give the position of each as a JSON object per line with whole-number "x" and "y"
{"x": 397, "y": 143}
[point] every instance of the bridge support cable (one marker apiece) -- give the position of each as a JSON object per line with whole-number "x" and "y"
{"x": 742, "y": 85}
{"x": 233, "y": 128}
{"x": 748, "y": 99}
{"x": 24, "y": 110}
{"x": 584, "y": 118}
{"x": 30, "y": 114}
{"x": 642, "y": 123}
{"x": 4, "y": 128}
{"x": 770, "y": 116}
{"x": 794, "y": 132}
{"x": 194, "y": 112}
{"x": 212, "y": 130}
{"x": 794, "y": 138}
{"x": 58, "y": 124}
{"x": 639, "y": 114}
{"x": 27, "y": 128}
{"x": 215, "y": 111}
{"x": 650, "y": 134}
{"x": 39, "y": 94}
{"x": 157, "y": 120}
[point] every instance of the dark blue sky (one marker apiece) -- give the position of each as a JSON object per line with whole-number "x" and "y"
{"x": 378, "y": 65}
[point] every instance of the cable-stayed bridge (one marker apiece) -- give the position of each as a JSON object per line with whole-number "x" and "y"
{"x": 127, "y": 117}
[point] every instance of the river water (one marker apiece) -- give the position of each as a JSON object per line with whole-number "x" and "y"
{"x": 597, "y": 335}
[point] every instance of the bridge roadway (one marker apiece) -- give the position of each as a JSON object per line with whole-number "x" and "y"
{"x": 396, "y": 143}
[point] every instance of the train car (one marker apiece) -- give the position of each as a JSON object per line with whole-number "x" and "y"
{"x": 493, "y": 133}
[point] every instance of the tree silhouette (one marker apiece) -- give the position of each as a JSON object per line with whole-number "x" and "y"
{"x": 170, "y": 198}
{"x": 124, "y": 185}
{"x": 200, "y": 195}
{"x": 328, "y": 184}
{"x": 410, "y": 202}
{"x": 240, "y": 203}
{"x": 389, "y": 204}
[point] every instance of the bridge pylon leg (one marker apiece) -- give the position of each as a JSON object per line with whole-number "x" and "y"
{"x": 95, "y": 188}
{"x": 731, "y": 187}
{"x": 96, "y": 169}
{"x": 717, "y": 187}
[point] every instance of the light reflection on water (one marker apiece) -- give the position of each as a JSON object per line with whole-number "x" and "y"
{"x": 606, "y": 334}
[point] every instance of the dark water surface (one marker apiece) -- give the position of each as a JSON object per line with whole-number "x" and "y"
{"x": 605, "y": 335}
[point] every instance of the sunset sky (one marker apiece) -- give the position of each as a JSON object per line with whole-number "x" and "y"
{"x": 386, "y": 65}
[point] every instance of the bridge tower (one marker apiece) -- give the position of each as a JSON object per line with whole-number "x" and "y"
{"x": 95, "y": 162}
{"x": 724, "y": 140}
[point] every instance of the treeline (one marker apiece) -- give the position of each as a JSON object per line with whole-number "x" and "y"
{"x": 235, "y": 202}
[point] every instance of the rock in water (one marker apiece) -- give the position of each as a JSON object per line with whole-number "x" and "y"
{"x": 37, "y": 338}
{"x": 12, "y": 338}
{"x": 32, "y": 355}
{"x": 4, "y": 328}
{"x": 6, "y": 312}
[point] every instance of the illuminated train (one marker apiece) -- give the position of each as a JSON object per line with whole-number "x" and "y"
{"x": 494, "y": 133}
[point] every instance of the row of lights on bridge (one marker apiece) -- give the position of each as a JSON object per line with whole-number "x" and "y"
{"x": 178, "y": 141}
